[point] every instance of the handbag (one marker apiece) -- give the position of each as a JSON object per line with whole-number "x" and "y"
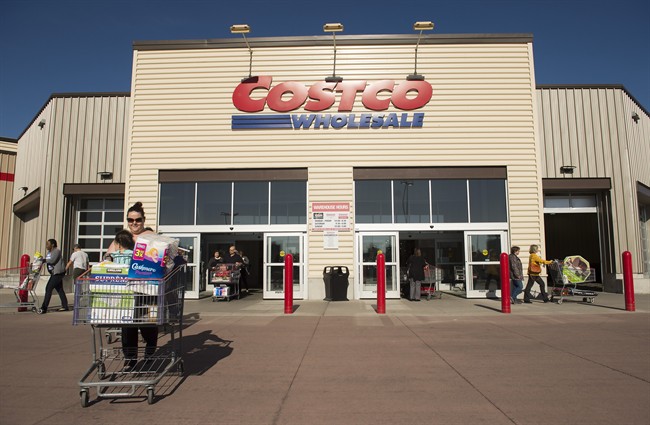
{"x": 535, "y": 268}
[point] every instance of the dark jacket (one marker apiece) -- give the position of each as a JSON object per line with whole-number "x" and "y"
{"x": 516, "y": 269}
{"x": 416, "y": 266}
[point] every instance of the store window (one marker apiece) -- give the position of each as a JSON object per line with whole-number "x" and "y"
{"x": 213, "y": 202}
{"x": 230, "y": 203}
{"x": 410, "y": 198}
{"x": 373, "y": 201}
{"x": 449, "y": 201}
{"x": 431, "y": 201}
{"x": 487, "y": 201}
{"x": 288, "y": 202}
{"x": 251, "y": 203}
{"x": 98, "y": 220}
{"x": 177, "y": 203}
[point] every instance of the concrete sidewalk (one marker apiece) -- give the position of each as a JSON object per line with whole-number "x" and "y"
{"x": 448, "y": 361}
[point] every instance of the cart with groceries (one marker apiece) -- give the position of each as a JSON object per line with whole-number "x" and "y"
{"x": 566, "y": 275}
{"x": 431, "y": 286}
{"x": 225, "y": 278}
{"x": 23, "y": 281}
{"x": 110, "y": 296}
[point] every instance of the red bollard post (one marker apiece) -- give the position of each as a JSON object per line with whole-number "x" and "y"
{"x": 381, "y": 284}
{"x": 288, "y": 284}
{"x": 505, "y": 283}
{"x": 24, "y": 272}
{"x": 628, "y": 281}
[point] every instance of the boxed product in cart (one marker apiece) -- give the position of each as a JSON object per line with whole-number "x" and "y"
{"x": 111, "y": 303}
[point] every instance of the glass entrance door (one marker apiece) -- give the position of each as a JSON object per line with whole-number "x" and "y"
{"x": 276, "y": 246}
{"x": 482, "y": 267}
{"x": 368, "y": 246}
{"x": 190, "y": 241}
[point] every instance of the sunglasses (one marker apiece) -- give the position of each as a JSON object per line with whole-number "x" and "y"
{"x": 135, "y": 220}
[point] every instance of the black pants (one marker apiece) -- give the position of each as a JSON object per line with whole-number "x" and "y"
{"x": 55, "y": 282}
{"x": 542, "y": 288}
{"x": 130, "y": 342}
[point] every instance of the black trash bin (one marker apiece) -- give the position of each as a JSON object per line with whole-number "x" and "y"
{"x": 336, "y": 283}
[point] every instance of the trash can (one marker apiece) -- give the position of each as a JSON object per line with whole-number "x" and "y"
{"x": 336, "y": 283}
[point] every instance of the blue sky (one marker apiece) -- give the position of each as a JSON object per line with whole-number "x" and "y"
{"x": 61, "y": 46}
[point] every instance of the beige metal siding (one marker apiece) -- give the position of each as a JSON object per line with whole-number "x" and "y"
{"x": 7, "y": 187}
{"x": 592, "y": 129}
{"x": 82, "y": 136}
{"x": 481, "y": 114}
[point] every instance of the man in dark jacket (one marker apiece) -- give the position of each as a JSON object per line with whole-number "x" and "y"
{"x": 56, "y": 268}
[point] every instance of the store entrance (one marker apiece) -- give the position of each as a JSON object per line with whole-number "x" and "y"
{"x": 250, "y": 244}
{"x": 574, "y": 234}
{"x": 444, "y": 250}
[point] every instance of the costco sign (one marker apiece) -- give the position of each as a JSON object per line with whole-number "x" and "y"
{"x": 321, "y": 96}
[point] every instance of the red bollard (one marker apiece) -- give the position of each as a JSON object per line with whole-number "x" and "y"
{"x": 628, "y": 281}
{"x": 505, "y": 283}
{"x": 24, "y": 272}
{"x": 381, "y": 284}
{"x": 288, "y": 284}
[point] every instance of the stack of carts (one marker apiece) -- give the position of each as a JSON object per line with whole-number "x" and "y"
{"x": 564, "y": 276}
{"x": 433, "y": 277}
{"x": 134, "y": 303}
{"x": 23, "y": 281}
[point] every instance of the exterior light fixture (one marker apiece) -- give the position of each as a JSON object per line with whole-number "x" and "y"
{"x": 24, "y": 189}
{"x": 41, "y": 123}
{"x": 419, "y": 26}
{"x": 105, "y": 175}
{"x": 244, "y": 29}
{"x": 333, "y": 28}
{"x": 635, "y": 117}
{"x": 567, "y": 169}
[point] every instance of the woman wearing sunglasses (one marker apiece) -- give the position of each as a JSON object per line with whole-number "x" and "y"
{"x": 135, "y": 219}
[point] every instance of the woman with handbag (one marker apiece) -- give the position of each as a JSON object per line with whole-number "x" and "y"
{"x": 534, "y": 269}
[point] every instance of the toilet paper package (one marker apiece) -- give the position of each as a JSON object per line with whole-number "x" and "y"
{"x": 152, "y": 256}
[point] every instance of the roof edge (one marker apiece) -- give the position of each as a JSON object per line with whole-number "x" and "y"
{"x": 595, "y": 86}
{"x": 326, "y": 40}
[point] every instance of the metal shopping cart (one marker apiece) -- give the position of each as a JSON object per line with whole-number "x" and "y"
{"x": 226, "y": 282}
{"x": 130, "y": 303}
{"x": 23, "y": 280}
{"x": 565, "y": 277}
{"x": 433, "y": 277}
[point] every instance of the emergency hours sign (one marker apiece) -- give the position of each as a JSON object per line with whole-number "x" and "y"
{"x": 330, "y": 216}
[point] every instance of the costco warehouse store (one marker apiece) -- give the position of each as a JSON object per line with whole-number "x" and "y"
{"x": 333, "y": 153}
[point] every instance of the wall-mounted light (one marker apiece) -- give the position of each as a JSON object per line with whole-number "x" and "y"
{"x": 244, "y": 29}
{"x": 567, "y": 169}
{"x": 24, "y": 189}
{"x": 105, "y": 175}
{"x": 41, "y": 123}
{"x": 333, "y": 28}
{"x": 635, "y": 117}
{"x": 419, "y": 26}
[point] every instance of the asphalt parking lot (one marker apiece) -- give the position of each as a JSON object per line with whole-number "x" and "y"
{"x": 447, "y": 361}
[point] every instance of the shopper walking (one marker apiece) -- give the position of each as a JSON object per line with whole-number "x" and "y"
{"x": 78, "y": 261}
{"x": 516, "y": 275}
{"x": 534, "y": 269}
{"x": 56, "y": 268}
{"x": 415, "y": 266}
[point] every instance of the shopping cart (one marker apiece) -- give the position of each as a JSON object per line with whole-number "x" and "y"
{"x": 23, "y": 280}
{"x": 226, "y": 282}
{"x": 565, "y": 277}
{"x": 130, "y": 303}
{"x": 433, "y": 277}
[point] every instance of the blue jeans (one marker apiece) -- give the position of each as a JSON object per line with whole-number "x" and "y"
{"x": 517, "y": 287}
